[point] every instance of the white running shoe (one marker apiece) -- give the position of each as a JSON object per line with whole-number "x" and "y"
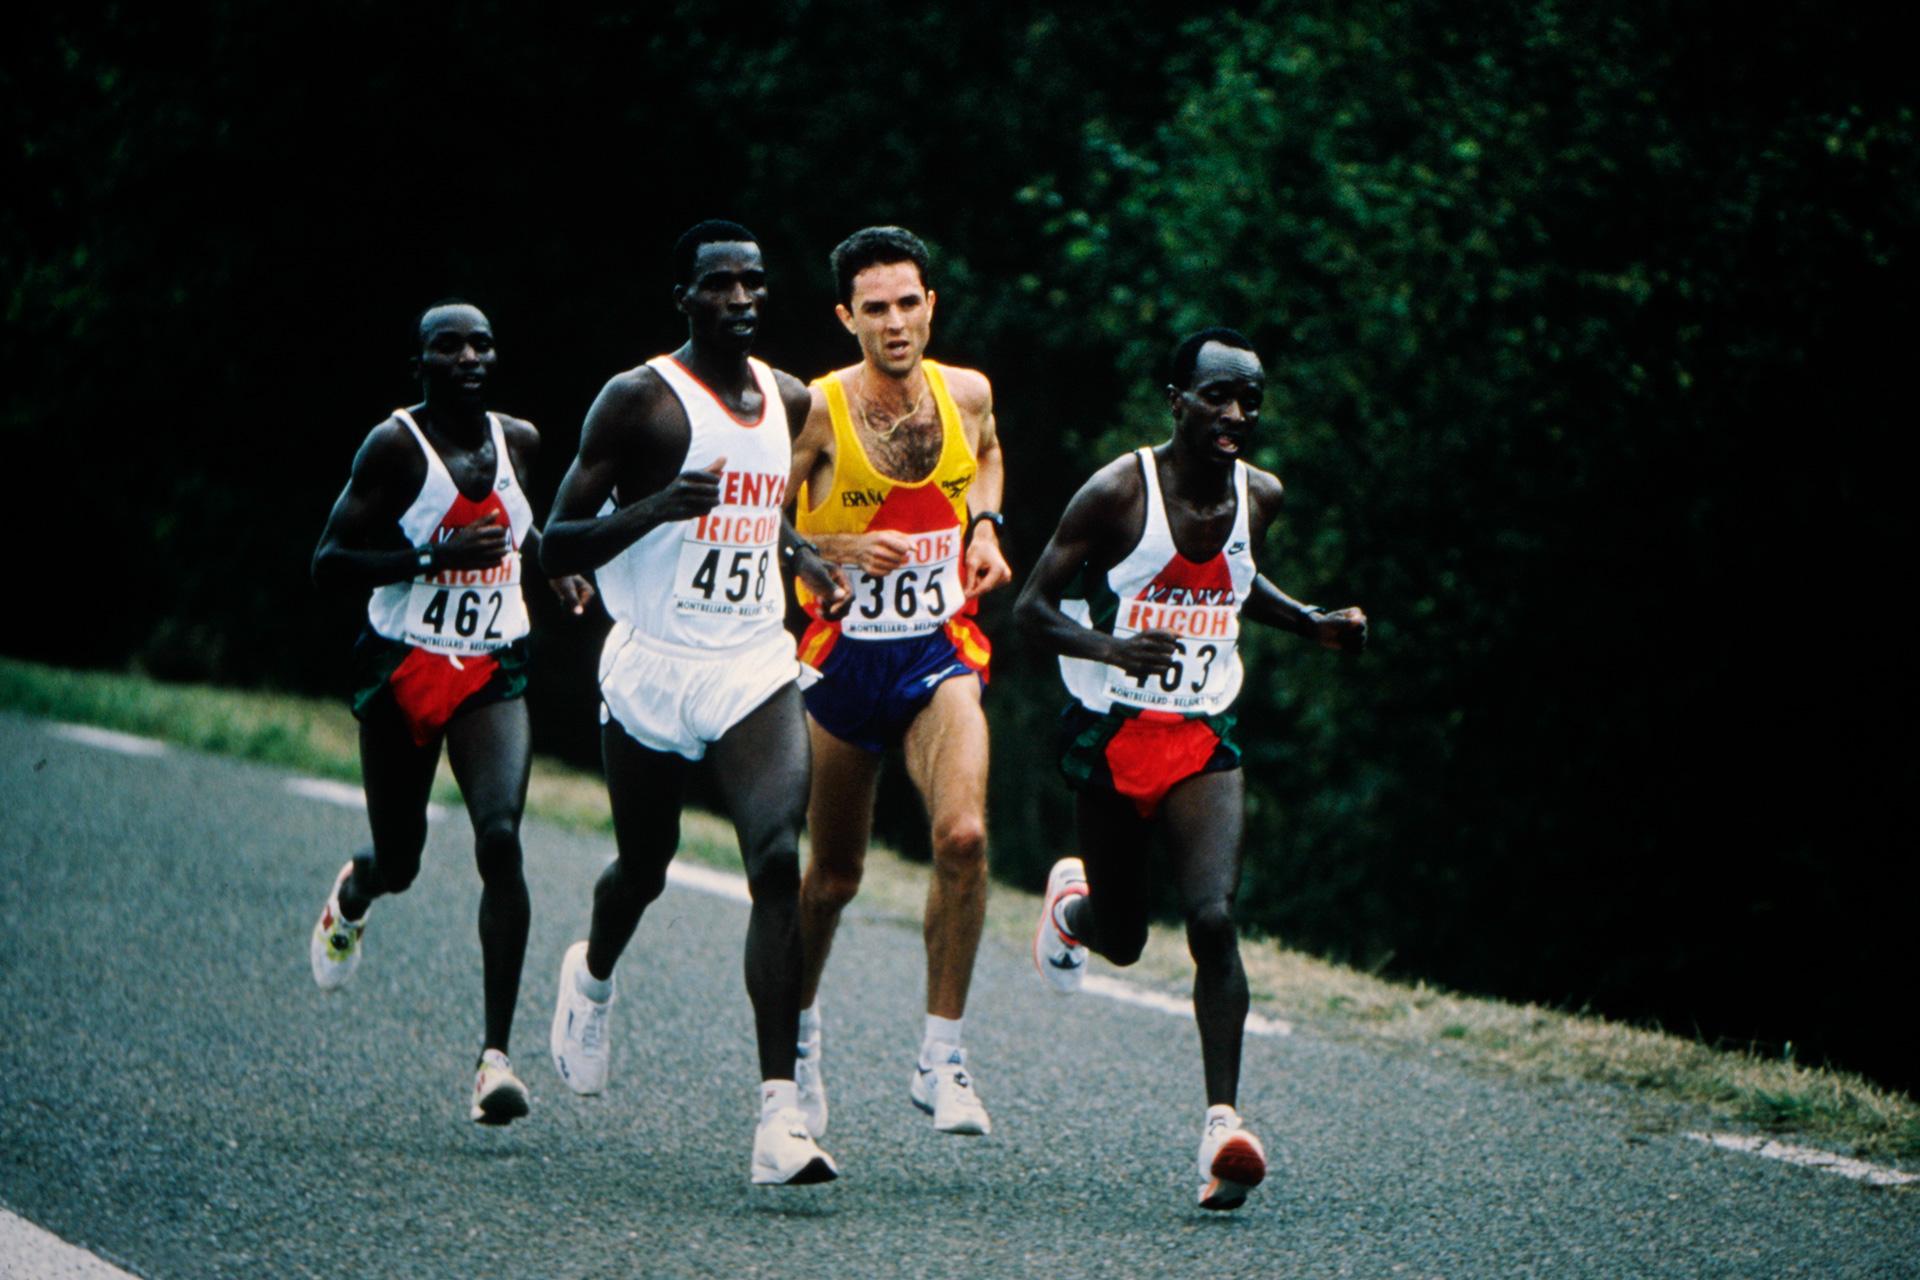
{"x": 498, "y": 1095}
{"x": 581, "y": 1049}
{"x": 1232, "y": 1161}
{"x": 1061, "y": 960}
{"x": 334, "y": 947}
{"x": 784, "y": 1153}
{"x": 945, "y": 1092}
{"x": 812, "y": 1087}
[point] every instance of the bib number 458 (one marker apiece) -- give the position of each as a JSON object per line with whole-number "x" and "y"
{"x": 746, "y": 574}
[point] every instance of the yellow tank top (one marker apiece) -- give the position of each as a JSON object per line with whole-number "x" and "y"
{"x": 922, "y": 594}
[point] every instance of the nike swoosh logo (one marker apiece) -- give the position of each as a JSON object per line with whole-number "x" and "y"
{"x": 1068, "y": 961}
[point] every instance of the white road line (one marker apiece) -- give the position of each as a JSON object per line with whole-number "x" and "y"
{"x": 1810, "y": 1157}
{"x": 28, "y": 1252}
{"x": 721, "y": 884}
{"x": 725, "y": 884}
{"x": 347, "y": 797}
{"x": 1096, "y": 984}
{"x": 107, "y": 740}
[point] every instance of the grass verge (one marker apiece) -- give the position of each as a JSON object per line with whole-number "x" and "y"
{"x": 1832, "y": 1108}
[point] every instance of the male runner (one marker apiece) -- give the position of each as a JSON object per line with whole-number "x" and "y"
{"x": 434, "y": 521}
{"x": 1154, "y": 560}
{"x": 676, "y": 501}
{"x": 898, "y": 477}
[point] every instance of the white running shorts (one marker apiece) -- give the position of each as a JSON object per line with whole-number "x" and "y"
{"x": 671, "y": 698}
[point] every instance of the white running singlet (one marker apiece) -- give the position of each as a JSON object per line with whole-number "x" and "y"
{"x": 457, "y": 611}
{"x": 713, "y": 582}
{"x": 1157, "y": 588}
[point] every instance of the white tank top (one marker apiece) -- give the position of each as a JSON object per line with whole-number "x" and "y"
{"x": 1157, "y": 588}
{"x": 457, "y": 611}
{"x": 713, "y": 582}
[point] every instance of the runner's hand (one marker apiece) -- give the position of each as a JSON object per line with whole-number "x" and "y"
{"x": 882, "y": 551}
{"x": 1344, "y": 629}
{"x": 1147, "y": 654}
{"x": 480, "y": 545}
{"x": 690, "y": 494}
{"x": 826, "y": 581}
{"x": 986, "y": 567}
{"x": 575, "y": 592}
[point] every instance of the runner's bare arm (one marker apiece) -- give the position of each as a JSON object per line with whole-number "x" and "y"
{"x": 523, "y": 446}
{"x": 1099, "y": 523}
{"x": 822, "y": 577}
{"x": 1266, "y": 603}
{"x": 362, "y": 547}
{"x": 636, "y": 437}
{"x": 986, "y": 567}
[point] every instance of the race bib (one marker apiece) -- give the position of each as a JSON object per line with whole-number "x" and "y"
{"x": 467, "y": 610}
{"x": 1201, "y": 679}
{"x": 727, "y": 565}
{"x": 914, "y": 599}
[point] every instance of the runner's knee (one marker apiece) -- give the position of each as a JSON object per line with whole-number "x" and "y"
{"x": 1211, "y": 935}
{"x": 496, "y": 848}
{"x": 831, "y": 886}
{"x": 960, "y": 846}
{"x": 774, "y": 873}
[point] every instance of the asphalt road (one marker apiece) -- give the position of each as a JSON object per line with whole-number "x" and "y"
{"x": 176, "y": 1095}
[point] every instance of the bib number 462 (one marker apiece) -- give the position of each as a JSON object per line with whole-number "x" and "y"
{"x": 467, "y": 609}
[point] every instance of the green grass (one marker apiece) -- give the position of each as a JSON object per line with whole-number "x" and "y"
{"x": 1831, "y": 1108}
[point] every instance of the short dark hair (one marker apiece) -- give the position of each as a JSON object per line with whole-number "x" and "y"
{"x": 873, "y": 246}
{"x": 712, "y": 231}
{"x": 1187, "y": 354}
{"x": 419, "y": 333}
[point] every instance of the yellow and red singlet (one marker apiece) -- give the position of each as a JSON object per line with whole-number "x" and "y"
{"x": 926, "y": 594}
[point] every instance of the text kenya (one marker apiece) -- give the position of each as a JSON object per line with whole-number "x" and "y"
{"x": 752, "y": 489}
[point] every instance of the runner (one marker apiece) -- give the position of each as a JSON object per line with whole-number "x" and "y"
{"x": 676, "y": 500}
{"x": 1141, "y": 591}
{"x": 434, "y": 520}
{"x": 898, "y": 477}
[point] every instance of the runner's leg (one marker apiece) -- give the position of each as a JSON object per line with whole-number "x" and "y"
{"x": 946, "y": 755}
{"x": 491, "y": 751}
{"x": 1204, "y": 816}
{"x": 647, "y": 789}
{"x": 398, "y": 778}
{"x": 839, "y": 824}
{"x": 1115, "y": 845}
{"x": 760, "y": 766}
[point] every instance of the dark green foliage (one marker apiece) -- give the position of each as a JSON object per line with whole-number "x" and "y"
{"x": 1582, "y": 327}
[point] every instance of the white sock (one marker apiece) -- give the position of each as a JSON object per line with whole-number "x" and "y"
{"x": 942, "y": 1036}
{"x": 810, "y": 1022}
{"x": 591, "y": 987}
{"x": 776, "y": 1094}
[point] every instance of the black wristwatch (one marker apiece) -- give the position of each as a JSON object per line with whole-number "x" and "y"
{"x": 791, "y": 552}
{"x": 424, "y": 556}
{"x": 993, "y": 518}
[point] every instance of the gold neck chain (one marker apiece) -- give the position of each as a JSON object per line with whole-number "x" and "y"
{"x": 867, "y": 412}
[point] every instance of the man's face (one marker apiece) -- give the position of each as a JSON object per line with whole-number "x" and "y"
{"x": 729, "y": 287}
{"x": 456, "y": 353}
{"x": 1218, "y": 413}
{"x": 891, "y": 314}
